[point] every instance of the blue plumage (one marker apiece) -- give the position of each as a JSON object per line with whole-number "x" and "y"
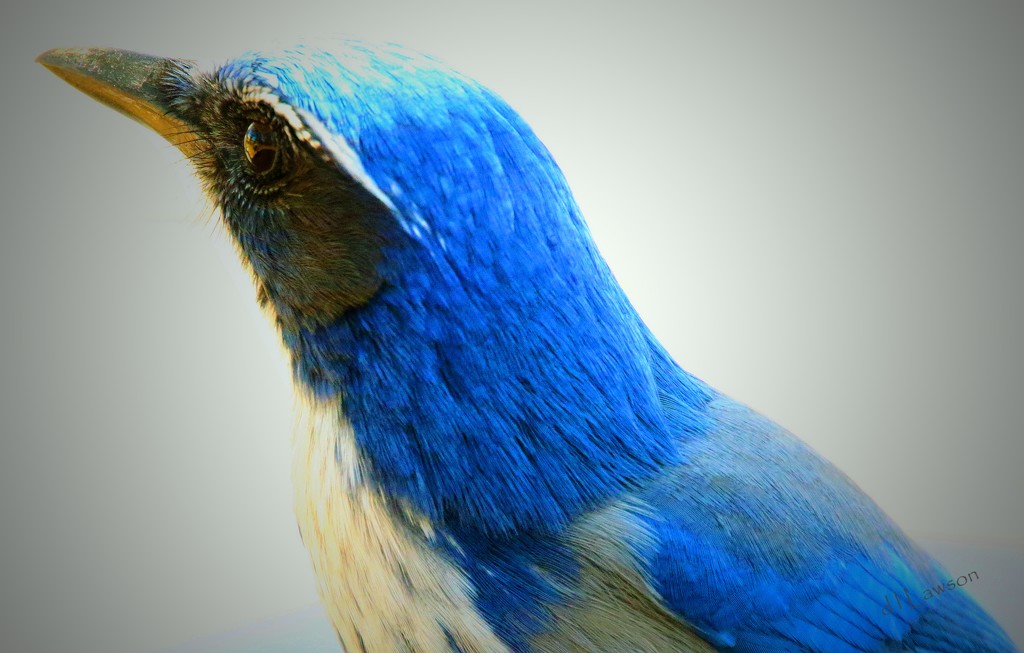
{"x": 511, "y": 417}
{"x": 501, "y": 347}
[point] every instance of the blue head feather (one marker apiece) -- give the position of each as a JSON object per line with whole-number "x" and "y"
{"x": 499, "y": 380}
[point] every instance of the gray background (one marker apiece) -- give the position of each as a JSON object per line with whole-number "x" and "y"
{"x": 816, "y": 207}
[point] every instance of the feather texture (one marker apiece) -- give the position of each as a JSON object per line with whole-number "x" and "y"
{"x": 595, "y": 495}
{"x": 498, "y": 455}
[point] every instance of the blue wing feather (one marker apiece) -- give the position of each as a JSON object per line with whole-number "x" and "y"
{"x": 761, "y": 545}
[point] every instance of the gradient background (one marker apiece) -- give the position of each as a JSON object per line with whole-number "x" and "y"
{"x": 818, "y": 209}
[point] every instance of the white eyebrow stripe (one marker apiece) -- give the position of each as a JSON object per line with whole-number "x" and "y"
{"x": 310, "y": 130}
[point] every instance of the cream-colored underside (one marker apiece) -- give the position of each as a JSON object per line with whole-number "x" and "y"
{"x": 383, "y": 587}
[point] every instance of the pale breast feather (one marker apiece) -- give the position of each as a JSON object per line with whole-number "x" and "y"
{"x": 384, "y": 587}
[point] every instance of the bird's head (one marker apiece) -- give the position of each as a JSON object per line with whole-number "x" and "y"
{"x": 425, "y": 260}
{"x": 329, "y": 167}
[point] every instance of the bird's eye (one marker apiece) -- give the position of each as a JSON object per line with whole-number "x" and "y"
{"x": 261, "y": 146}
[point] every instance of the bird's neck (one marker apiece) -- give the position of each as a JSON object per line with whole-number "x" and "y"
{"x": 504, "y": 424}
{"x": 498, "y": 380}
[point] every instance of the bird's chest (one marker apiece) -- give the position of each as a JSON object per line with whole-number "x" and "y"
{"x": 383, "y": 586}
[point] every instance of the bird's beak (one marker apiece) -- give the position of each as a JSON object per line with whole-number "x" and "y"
{"x": 127, "y": 81}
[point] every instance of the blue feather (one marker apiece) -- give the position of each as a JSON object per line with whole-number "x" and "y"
{"x": 498, "y": 454}
{"x": 501, "y": 385}
{"x": 500, "y": 380}
{"x": 763, "y": 546}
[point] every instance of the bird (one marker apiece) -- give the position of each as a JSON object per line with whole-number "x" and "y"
{"x": 494, "y": 452}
